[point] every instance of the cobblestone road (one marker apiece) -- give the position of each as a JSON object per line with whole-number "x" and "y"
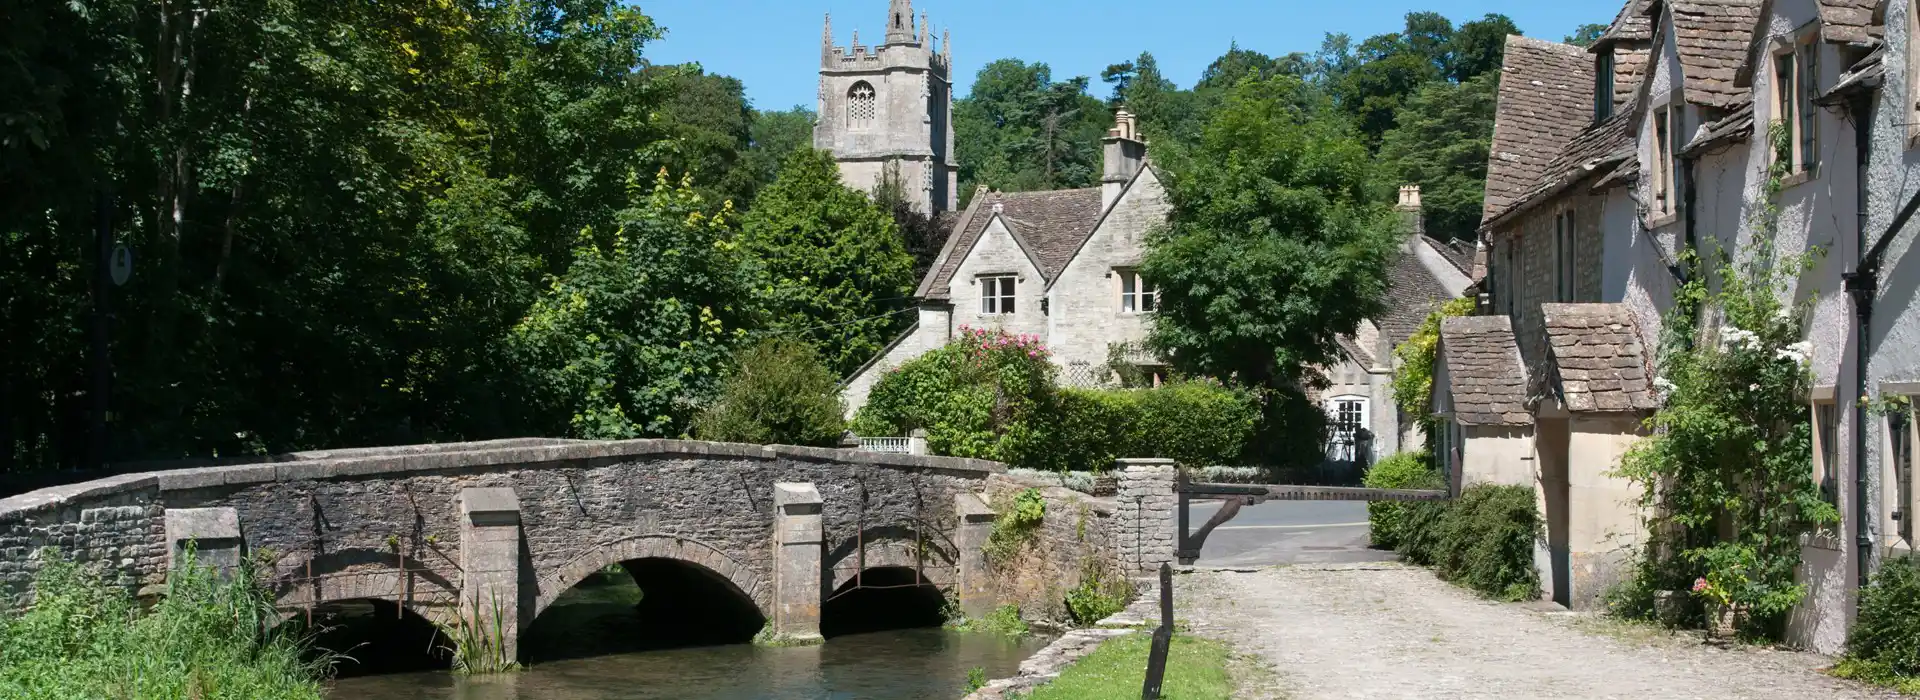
{"x": 1391, "y": 631}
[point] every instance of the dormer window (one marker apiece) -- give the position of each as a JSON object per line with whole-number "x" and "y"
{"x": 860, "y": 106}
{"x": 1796, "y": 76}
{"x": 1603, "y": 86}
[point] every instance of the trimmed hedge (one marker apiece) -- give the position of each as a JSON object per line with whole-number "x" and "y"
{"x": 1484, "y": 540}
{"x": 991, "y": 395}
{"x": 1406, "y": 470}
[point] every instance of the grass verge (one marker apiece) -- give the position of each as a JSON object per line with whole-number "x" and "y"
{"x": 1196, "y": 670}
{"x": 1875, "y": 674}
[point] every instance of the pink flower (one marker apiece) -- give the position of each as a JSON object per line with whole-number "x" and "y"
{"x": 1699, "y": 585}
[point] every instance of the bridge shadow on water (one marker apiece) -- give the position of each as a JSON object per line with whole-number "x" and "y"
{"x": 880, "y": 599}
{"x": 376, "y": 637}
{"x": 642, "y": 605}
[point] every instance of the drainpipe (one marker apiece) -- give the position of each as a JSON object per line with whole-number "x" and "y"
{"x": 1860, "y": 289}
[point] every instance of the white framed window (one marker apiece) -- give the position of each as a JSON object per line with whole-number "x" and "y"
{"x": 997, "y": 294}
{"x": 1137, "y": 294}
{"x": 1347, "y": 418}
{"x": 1796, "y": 77}
{"x": 1902, "y": 432}
{"x": 861, "y": 106}
{"x": 1664, "y": 195}
{"x": 1565, "y": 268}
{"x": 1826, "y": 448}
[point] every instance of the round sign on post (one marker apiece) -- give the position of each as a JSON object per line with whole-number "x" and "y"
{"x": 122, "y": 264}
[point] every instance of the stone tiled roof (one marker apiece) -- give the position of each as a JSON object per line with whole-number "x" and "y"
{"x": 1711, "y": 37}
{"x": 1413, "y": 294}
{"x": 1051, "y": 225}
{"x": 1737, "y": 125}
{"x": 1596, "y": 151}
{"x": 1546, "y": 97}
{"x": 1485, "y": 378}
{"x": 1867, "y": 74}
{"x": 1631, "y": 24}
{"x": 1597, "y": 355}
{"x": 1849, "y": 21}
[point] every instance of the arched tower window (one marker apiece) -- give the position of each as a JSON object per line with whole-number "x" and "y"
{"x": 860, "y": 106}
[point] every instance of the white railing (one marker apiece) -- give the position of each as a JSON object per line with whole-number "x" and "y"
{"x": 895, "y": 445}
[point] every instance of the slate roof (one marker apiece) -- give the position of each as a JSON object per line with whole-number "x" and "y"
{"x": 1864, "y": 75}
{"x": 1598, "y": 358}
{"x": 1848, "y": 21}
{"x": 1485, "y": 378}
{"x": 1546, "y": 97}
{"x": 1050, "y": 225}
{"x": 1712, "y": 37}
{"x": 1735, "y": 126}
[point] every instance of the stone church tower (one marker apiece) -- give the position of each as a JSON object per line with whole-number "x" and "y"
{"x": 887, "y": 110}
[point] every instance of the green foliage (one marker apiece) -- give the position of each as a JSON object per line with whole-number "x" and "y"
{"x": 207, "y": 638}
{"x": 1020, "y": 130}
{"x": 779, "y": 394}
{"x": 775, "y": 136}
{"x": 976, "y": 679}
{"x": 1724, "y": 474}
{"x": 1585, "y": 34}
{"x": 1096, "y": 598}
{"x": 1484, "y": 540}
{"x": 1004, "y": 621}
{"x": 642, "y": 327}
{"x": 986, "y": 394}
{"x": 1196, "y": 670}
{"x": 1017, "y": 521}
{"x": 1441, "y": 140}
{"x": 480, "y": 645}
{"x": 1413, "y": 381}
{"x": 1886, "y": 635}
{"x": 1406, "y": 470}
{"x": 837, "y": 271}
{"x": 1196, "y": 422}
{"x": 1276, "y": 245}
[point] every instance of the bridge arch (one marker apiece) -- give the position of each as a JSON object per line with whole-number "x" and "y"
{"x": 910, "y": 546}
{"x": 743, "y": 580}
{"x": 361, "y": 574}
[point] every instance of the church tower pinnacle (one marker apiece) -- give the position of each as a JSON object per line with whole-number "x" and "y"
{"x": 900, "y": 23}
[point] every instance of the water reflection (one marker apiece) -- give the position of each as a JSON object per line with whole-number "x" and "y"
{"x": 912, "y": 663}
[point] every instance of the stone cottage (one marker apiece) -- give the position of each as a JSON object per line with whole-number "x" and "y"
{"x": 1593, "y": 194}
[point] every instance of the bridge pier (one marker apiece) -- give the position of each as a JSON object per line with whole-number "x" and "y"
{"x": 799, "y": 542}
{"x": 214, "y": 534}
{"x": 490, "y": 561}
{"x": 975, "y": 584}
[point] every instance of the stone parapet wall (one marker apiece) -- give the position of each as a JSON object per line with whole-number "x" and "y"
{"x": 1147, "y": 513}
{"x": 1075, "y": 540}
{"x": 385, "y": 522}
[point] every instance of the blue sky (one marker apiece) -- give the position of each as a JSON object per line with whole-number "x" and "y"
{"x": 774, "y": 45}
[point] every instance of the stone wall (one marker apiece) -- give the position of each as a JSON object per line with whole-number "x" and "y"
{"x": 1075, "y": 540}
{"x": 1147, "y": 508}
{"x": 116, "y": 525}
{"x": 1084, "y": 315}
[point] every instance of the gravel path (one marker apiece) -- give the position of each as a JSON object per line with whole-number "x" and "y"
{"x": 1391, "y": 631}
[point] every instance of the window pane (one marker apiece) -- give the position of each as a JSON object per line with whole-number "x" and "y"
{"x": 1006, "y": 298}
{"x": 1149, "y": 295}
{"x": 1808, "y": 82}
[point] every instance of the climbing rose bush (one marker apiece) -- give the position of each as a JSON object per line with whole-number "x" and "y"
{"x": 987, "y": 394}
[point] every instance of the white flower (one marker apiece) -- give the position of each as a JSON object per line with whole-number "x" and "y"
{"x": 1753, "y": 387}
{"x": 1731, "y": 337}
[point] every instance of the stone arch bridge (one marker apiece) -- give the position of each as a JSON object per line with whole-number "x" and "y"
{"x": 509, "y": 525}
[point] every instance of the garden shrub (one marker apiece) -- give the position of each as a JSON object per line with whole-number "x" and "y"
{"x": 987, "y": 394}
{"x": 1405, "y": 470}
{"x": 1195, "y": 422}
{"x": 1015, "y": 524}
{"x": 779, "y": 393}
{"x": 1483, "y": 540}
{"x": 1097, "y": 427}
{"x": 1884, "y": 643}
{"x": 207, "y": 638}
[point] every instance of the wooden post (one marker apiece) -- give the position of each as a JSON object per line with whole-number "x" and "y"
{"x": 1162, "y": 638}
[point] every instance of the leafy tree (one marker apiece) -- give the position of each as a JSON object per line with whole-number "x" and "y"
{"x": 1276, "y": 245}
{"x": 838, "y": 273}
{"x": 1019, "y": 129}
{"x": 922, "y": 234}
{"x": 1479, "y": 47}
{"x": 709, "y": 131}
{"x": 779, "y": 394}
{"x": 1165, "y": 112}
{"x": 1442, "y": 141}
{"x": 1585, "y": 34}
{"x": 642, "y": 326}
{"x": 1430, "y": 35}
{"x": 985, "y": 394}
{"x": 1374, "y": 89}
{"x": 774, "y": 136}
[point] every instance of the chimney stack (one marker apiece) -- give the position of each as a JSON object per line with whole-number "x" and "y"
{"x": 1126, "y": 153}
{"x": 1412, "y": 220}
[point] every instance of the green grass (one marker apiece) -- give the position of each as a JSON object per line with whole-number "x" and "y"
{"x": 1004, "y": 620}
{"x": 1876, "y": 674}
{"x": 208, "y": 639}
{"x": 1196, "y": 670}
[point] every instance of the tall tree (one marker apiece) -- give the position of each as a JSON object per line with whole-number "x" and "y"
{"x": 1585, "y": 34}
{"x": 1441, "y": 143}
{"x": 1019, "y": 129}
{"x": 1276, "y": 245}
{"x": 639, "y": 331}
{"x": 1479, "y": 47}
{"x": 838, "y": 272}
{"x": 775, "y": 136}
{"x": 709, "y": 129}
